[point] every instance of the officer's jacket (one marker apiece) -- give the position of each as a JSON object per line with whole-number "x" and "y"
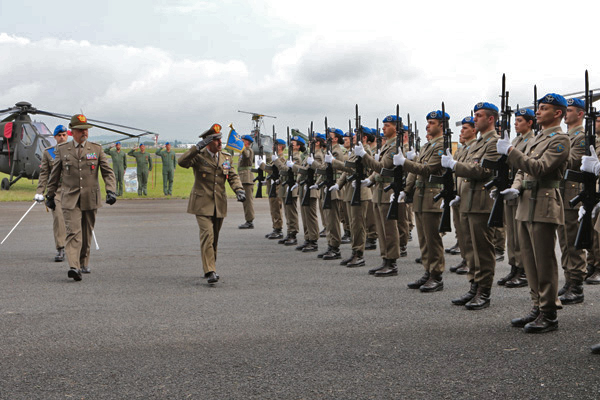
{"x": 385, "y": 161}
{"x": 366, "y": 194}
{"x": 520, "y": 143}
{"x": 541, "y": 168}
{"x": 78, "y": 176}
{"x": 119, "y": 158}
{"x": 571, "y": 189}
{"x": 143, "y": 160}
{"x": 428, "y": 163}
{"x": 208, "y": 196}
{"x": 169, "y": 159}
{"x": 473, "y": 196}
{"x": 283, "y": 170}
{"x": 45, "y": 169}
{"x": 245, "y": 164}
{"x": 339, "y": 157}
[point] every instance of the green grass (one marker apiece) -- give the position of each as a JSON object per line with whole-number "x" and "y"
{"x": 24, "y": 190}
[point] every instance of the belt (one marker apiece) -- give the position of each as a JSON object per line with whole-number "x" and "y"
{"x": 384, "y": 179}
{"x": 421, "y": 184}
{"x": 540, "y": 184}
{"x": 244, "y": 168}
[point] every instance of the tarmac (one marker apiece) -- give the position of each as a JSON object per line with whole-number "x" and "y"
{"x": 280, "y": 324}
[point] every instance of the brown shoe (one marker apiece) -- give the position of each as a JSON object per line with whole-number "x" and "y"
{"x": 419, "y": 282}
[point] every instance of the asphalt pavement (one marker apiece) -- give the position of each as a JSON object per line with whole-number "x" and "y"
{"x": 280, "y": 324}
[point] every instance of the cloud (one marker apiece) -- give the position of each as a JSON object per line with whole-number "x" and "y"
{"x": 186, "y": 7}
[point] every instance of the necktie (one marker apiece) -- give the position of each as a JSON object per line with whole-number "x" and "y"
{"x": 79, "y": 147}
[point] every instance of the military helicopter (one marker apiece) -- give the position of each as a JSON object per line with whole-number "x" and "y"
{"x": 22, "y": 141}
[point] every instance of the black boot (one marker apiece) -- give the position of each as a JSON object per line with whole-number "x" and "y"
{"x": 311, "y": 246}
{"x": 462, "y": 263}
{"x": 594, "y": 278}
{"x": 381, "y": 266}
{"x": 346, "y": 238}
{"x": 302, "y": 246}
{"x": 453, "y": 250}
{"x": 60, "y": 255}
{"x": 347, "y": 260}
{"x": 519, "y": 280}
{"x": 433, "y": 284}
{"x": 419, "y": 282}
{"x": 465, "y": 298}
{"x": 291, "y": 239}
{"x": 565, "y": 288}
{"x": 371, "y": 244}
{"x": 320, "y": 255}
{"x": 480, "y": 301}
{"x": 574, "y": 295}
{"x": 590, "y": 269}
{"x": 333, "y": 254}
{"x": 403, "y": 252}
{"x": 390, "y": 269}
{"x": 357, "y": 260}
{"x": 511, "y": 274}
{"x": 418, "y": 260}
{"x": 323, "y": 233}
{"x": 545, "y": 322}
{"x": 521, "y": 322}
{"x": 276, "y": 234}
{"x": 596, "y": 349}
{"x": 246, "y": 225}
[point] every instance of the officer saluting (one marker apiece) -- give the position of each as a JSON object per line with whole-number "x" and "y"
{"x": 208, "y": 199}
{"x": 75, "y": 169}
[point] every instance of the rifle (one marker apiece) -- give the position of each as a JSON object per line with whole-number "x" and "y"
{"x": 502, "y": 179}
{"x": 536, "y": 127}
{"x": 274, "y": 170}
{"x": 588, "y": 196}
{"x": 328, "y": 172}
{"x": 397, "y": 173}
{"x": 310, "y": 173}
{"x": 357, "y": 165}
{"x": 378, "y": 137}
{"x": 411, "y": 134}
{"x": 448, "y": 192}
{"x": 417, "y": 140}
{"x": 260, "y": 177}
{"x": 290, "y": 181}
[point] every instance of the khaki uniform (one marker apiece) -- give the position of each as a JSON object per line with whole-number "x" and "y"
{"x": 460, "y": 155}
{"x": 208, "y": 199}
{"x": 275, "y": 204}
{"x": 119, "y": 165}
{"x": 427, "y": 213}
{"x": 58, "y": 225}
{"x": 245, "y": 163}
{"x": 310, "y": 218}
{"x": 403, "y": 225}
{"x": 573, "y": 261}
{"x": 144, "y": 165}
{"x": 75, "y": 170}
{"x": 387, "y": 230}
{"x": 513, "y": 248}
{"x": 540, "y": 211}
{"x": 475, "y": 207}
{"x": 169, "y": 163}
{"x": 334, "y": 214}
{"x": 291, "y": 210}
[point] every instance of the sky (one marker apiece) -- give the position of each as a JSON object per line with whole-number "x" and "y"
{"x": 177, "y": 67}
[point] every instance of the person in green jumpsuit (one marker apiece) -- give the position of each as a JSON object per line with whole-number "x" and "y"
{"x": 169, "y": 162}
{"x": 144, "y": 165}
{"x": 119, "y": 164}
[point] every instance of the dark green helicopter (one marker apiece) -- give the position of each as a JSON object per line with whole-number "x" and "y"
{"x": 23, "y": 141}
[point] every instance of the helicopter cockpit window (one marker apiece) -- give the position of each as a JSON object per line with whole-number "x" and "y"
{"x": 42, "y": 128}
{"x": 27, "y": 135}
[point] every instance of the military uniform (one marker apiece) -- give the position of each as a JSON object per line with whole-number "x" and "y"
{"x": 275, "y": 206}
{"x": 291, "y": 210}
{"x": 310, "y": 218}
{"x": 245, "y": 163}
{"x": 58, "y": 226}
{"x": 144, "y": 165}
{"x": 475, "y": 207}
{"x": 119, "y": 165}
{"x": 169, "y": 163}
{"x": 208, "y": 198}
{"x": 75, "y": 170}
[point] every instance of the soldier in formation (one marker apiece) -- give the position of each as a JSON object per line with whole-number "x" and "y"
{"x": 119, "y": 165}
{"x": 169, "y": 163}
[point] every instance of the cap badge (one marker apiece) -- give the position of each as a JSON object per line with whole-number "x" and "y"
{"x": 82, "y": 118}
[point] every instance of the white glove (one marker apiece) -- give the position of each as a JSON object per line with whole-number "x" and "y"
{"x": 503, "y": 145}
{"x": 310, "y": 160}
{"x": 366, "y": 182}
{"x": 314, "y": 187}
{"x": 493, "y": 194}
{"x": 399, "y": 159}
{"x": 411, "y": 154}
{"x": 377, "y": 155}
{"x": 259, "y": 161}
{"x": 289, "y": 163}
{"x": 581, "y": 213}
{"x": 334, "y": 188}
{"x": 350, "y": 153}
{"x": 595, "y": 210}
{"x": 274, "y": 157}
{"x": 39, "y": 198}
{"x": 401, "y": 197}
{"x": 448, "y": 161}
{"x": 329, "y": 158}
{"x": 359, "y": 150}
{"x": 510, "y": 193}
{"x": 455, "y": 201}
{"x": 294, "y": 187}
{"x": 590, "y": 163}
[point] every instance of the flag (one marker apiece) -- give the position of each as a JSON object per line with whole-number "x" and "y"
{"x": 234, "y": 141}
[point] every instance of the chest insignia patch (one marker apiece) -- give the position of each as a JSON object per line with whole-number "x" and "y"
{"x": 91, "y": 156}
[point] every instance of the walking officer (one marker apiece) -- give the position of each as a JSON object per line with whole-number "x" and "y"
{"x": 75, "y": 170}
{"x": 144, "y": 165}
{"x": 169, "y": 163}
{"x": 245, "y": 163}
{"x": 119, "y": 165}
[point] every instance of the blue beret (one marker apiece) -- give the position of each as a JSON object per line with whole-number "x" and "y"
{"x": 248, "y": 138}
{"x": 59, "y": 129}
{"x": 281, "y": 141}
{"x": 337, "y": 131}
{"x": 118, "y": 143}
{"x": 299, "y": 139}
{"x": 320, "y": 136}
{"x": 167, "y": 143}
{"x": 468, "y": 120}
{"x": 553, "y": 98}
{"x": 436, "y": 115}
{"x": 484, "y": 105}
{"x": 364, "y": 129}
{"x": 576, "y": 103}
{"x": 524, "y": 112}
{"x": 391, "y": 118}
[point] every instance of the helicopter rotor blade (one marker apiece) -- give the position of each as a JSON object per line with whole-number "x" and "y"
{"x": 98, "y": 121}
